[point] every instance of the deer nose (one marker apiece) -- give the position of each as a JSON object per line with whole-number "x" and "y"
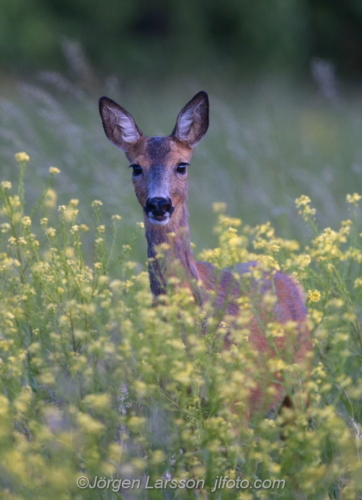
{"x": 158, "y": 206}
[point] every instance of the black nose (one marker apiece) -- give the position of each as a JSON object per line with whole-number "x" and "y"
{"x": 158, "y": 206}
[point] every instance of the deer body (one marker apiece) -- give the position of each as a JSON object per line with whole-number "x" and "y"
{"x": 160, "y": 180}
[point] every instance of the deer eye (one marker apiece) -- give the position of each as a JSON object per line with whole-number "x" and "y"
{"x": 181, "y": 168}
{"x": 137, "y": 169}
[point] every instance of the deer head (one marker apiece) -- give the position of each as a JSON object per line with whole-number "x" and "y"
{"x": 159, "y": 163}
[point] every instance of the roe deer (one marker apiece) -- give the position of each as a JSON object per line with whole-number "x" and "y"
{"x": 160, "y": 179}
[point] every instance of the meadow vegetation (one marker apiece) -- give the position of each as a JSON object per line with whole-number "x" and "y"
{"x": 95, "y": 381}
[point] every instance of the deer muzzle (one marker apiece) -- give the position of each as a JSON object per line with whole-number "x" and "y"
{"x": 159, "y": 210}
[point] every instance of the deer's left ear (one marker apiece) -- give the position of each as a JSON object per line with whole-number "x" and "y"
{"x": 193, "y": 120}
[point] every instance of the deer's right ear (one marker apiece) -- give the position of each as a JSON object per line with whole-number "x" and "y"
{"x": 118, "y": 124}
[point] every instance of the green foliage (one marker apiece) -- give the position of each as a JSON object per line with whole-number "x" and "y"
{"x": 160, "y": 37}
{"x": 96, "y": 382}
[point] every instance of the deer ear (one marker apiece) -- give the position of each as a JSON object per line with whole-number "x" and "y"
{"x": 118, "y": 124}
{"x": 193, "y": 120}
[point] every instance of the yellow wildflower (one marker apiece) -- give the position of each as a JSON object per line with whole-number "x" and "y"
{"x": 314, "y": 295}
{"x": 6, "y": 184}
{"x": 89, "y": 424}
{"x": 50, "y": 199}
{"x": 54, "y": 170}
{"x": 357, "y": 282}
{"x": 68, "y": 213}
{"x": 50, "y": 231}
{"x": 219, "y": 207}
{"x": 26, "y": 221}
{"x": 353, "y": 198}
{"x": 97, "y": 401}
{"x": 302, "y": 201}
{"x": 303, "y": 260}
{"x": 96, "y": 203}
{"x": 22, "y": 157}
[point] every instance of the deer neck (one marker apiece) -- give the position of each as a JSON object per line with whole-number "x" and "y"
{"x": 177, "y": 258}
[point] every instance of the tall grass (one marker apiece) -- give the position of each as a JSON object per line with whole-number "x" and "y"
{"x": 97, "y": 382}
{"x": 266, "y": 144}
{"x": 100, "y": 387}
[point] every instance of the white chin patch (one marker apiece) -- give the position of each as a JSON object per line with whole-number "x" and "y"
{"x": 158, "y": 222}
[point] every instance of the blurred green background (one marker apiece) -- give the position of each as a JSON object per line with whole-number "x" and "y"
{"x": 140, "y": 37}
{"x": 284, "y": 78}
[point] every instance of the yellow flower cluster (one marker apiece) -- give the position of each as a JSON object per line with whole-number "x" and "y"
{"x": 314, "y": 295}
{"x": 54, "y": 170}
{"x": 97, "y": 377}
{"x": 353, "y": 198}
{"x": 22, "y": 157}
{"x": 303, "y": 204}
{"x": 328, "y": 245}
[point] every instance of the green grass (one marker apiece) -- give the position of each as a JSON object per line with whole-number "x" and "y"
{"x": 95, "y": 381}
{"x": 266, "y": 145}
